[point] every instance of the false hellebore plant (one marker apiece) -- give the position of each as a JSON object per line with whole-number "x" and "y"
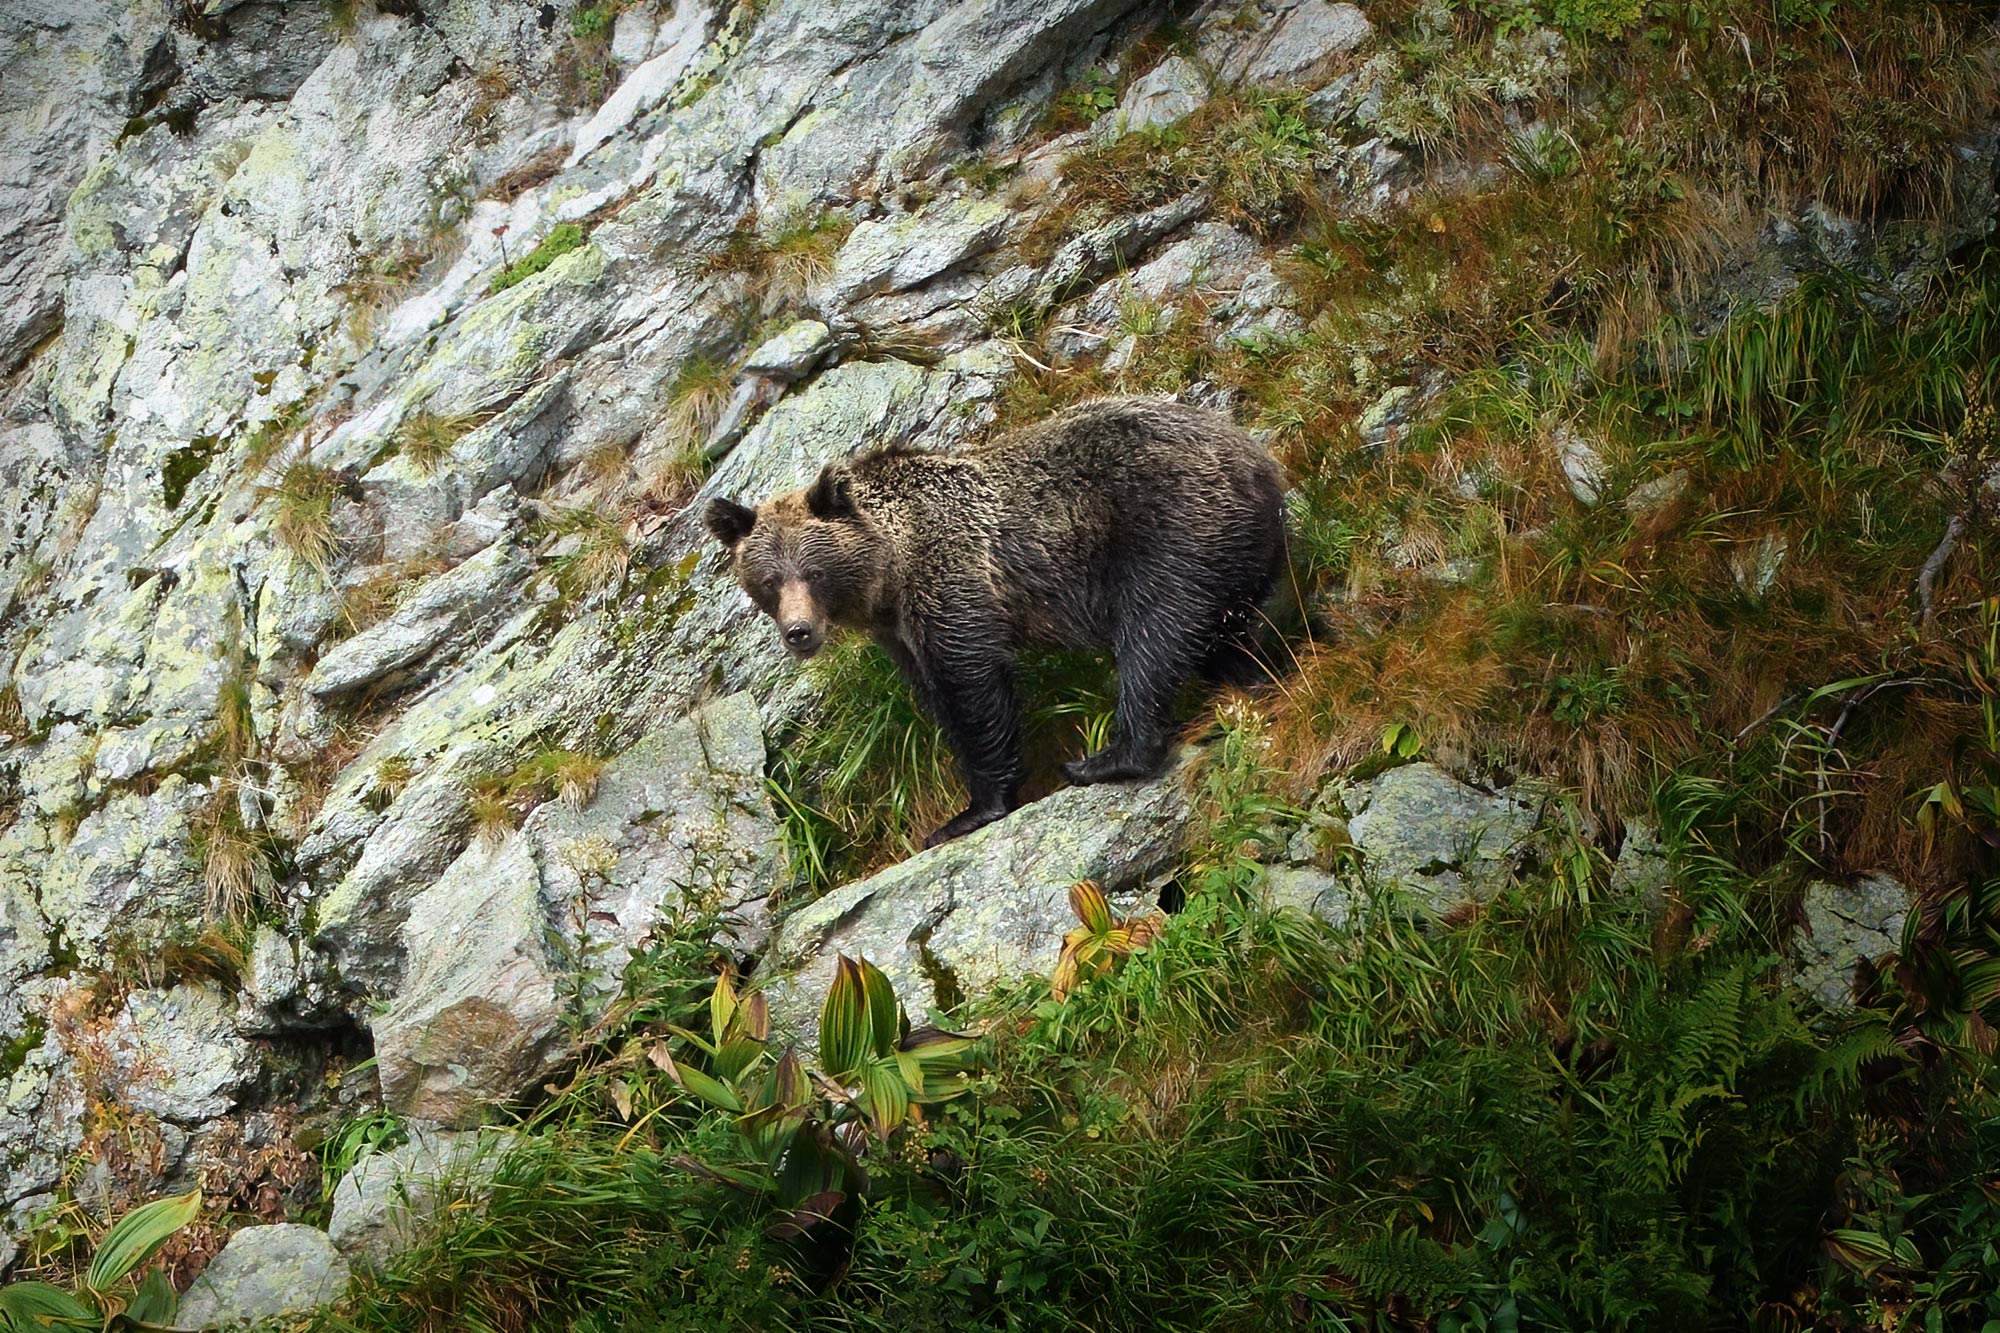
{"x": 807, "y": 1131}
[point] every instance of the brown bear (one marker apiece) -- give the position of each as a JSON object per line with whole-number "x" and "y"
{"x": 1149, "y": 526}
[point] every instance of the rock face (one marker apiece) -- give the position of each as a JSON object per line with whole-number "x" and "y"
{"x": 1306, "y": 37}
{"x": 1844, "y": 924}
{"x": 520, "y": 942}
{"x": 264, "y": 1272}
{"x": 958, "y": 919}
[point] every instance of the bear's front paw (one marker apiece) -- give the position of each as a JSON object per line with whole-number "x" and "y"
{"x": 961, "y": 824}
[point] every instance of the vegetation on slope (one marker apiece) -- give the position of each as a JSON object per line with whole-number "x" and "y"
{"x": 1552, "y": 1115}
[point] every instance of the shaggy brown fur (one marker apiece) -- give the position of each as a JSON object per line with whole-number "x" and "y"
{"x": 1148, "y": 526}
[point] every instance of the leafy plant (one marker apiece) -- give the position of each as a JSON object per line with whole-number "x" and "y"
{"x": 804, "y": 1130}
{"x": 1100, "y": 942}
{"x": 562, "y": 238}
{"x": 107, "y": 1296}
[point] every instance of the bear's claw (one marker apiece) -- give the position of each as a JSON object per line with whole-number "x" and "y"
{"x": 1114, "y": 764}
{"x": 961, "y": 824}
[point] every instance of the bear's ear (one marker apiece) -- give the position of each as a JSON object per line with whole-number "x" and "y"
{"x": 829, "y": 497}
{"x": 729, "y": 521}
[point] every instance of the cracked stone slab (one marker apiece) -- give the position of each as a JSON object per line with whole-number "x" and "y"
{"x": 1422, "y": 830}
{"x": 1845, "y": 923}
{"x": 441, "y": 609}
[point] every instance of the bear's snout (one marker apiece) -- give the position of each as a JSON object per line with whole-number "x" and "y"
{"x": 801, "y": 639}
{"x": 801, "y": 623}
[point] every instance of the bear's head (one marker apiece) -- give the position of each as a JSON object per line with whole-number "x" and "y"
{"x": 808, "y": 559}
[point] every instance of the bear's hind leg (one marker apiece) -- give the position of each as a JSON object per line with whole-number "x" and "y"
{"x": 1235, "y": 662}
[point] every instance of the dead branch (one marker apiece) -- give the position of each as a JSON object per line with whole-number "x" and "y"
{"x": 1927, "y": 577}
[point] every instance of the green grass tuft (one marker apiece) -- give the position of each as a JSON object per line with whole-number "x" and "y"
{"x": 562, "y": 239}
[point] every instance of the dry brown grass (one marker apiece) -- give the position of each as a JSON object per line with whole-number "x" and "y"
{"x": 1438, "y": 675}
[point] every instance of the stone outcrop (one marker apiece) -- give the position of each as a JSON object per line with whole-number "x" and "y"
{"x": 990, "y": 907}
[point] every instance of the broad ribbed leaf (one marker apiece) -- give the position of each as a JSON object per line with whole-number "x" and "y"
{"x": 757, "y": 1016}
{"x": 884, "y": 1096}
{"x": 155, "y": 1302}
{"x": 34, "y": 1306}
{"x": 696, "y": 1082}
{"x": 736, "y": 1055}
{"x": 1065, "y": 978}
{"x": 843, "y": 1021}
{"x": 1087, "y": 901}
{"x": 884, "y": 1014}
{"x": 135, "y": 1237}
{"x": 721, "y": 1008}
{"x": 809, "y": 1166}
{"x": 769, "y": 1128}
{"x": 789, "y": 1085}
{"x": 935, "y": 1046}
{"x": 912, "y": 1070}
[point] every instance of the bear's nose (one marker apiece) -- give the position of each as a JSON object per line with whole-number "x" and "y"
{"x": 799, "y": 636}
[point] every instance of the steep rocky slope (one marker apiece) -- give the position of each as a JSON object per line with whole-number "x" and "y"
{"x": 371, "y": 689}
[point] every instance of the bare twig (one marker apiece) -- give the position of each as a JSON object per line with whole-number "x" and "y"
{"x": 1768, "y": 713}
{"x": 1927, "y": 577}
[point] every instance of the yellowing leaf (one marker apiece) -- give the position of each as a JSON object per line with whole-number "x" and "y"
{"x": 843, "y": 1021}
{"x": 1087, "y": 901}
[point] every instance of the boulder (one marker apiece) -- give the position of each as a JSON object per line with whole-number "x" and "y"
{"x": 1844, "y": 924}
{"x": 262, "y": 1273}
{"x": 1312, "y": 892}
{"x": 791, "y": 354}
{"x": 993, "y": 906}
{"x": 1582, "y": 463}
{"x": 1756, "y": 565}
{"x": 1436, "y": 839}
{"x": 1168, "y": 92}
{"x": 176, "y": 1054}
{"x": 390, "y": 1200}
{"x": 896, "y": 254}
{"x": 1643, "y": 870}
{"x": 521, "y": 942}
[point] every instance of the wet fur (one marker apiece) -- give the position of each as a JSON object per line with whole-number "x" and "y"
{"x": 1151, "y": 527}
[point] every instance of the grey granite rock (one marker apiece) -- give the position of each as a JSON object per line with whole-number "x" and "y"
{"x": 262, "y": 1273}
